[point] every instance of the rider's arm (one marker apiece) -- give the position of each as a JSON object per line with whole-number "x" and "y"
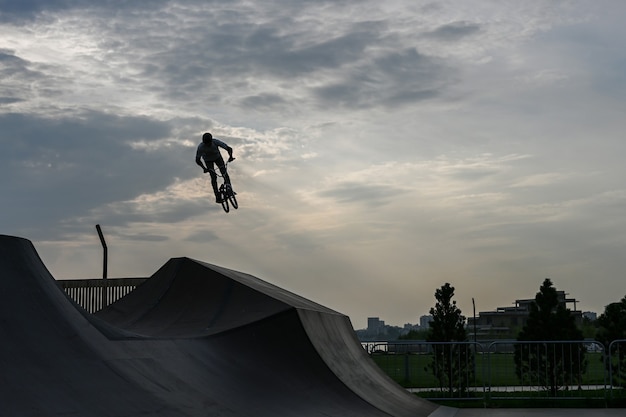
{"x": 199, "y": 160}
{"x": 224, "y": 146}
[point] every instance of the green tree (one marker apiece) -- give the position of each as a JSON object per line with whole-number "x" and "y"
{"x": 589, "y": 328}
{"x": 612, "y": 326}
{"x": 451, "y": 363}
{"x": 551, "y": 365}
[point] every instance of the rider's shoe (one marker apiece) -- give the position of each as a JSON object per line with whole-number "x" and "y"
{"x": 218, "y": 199}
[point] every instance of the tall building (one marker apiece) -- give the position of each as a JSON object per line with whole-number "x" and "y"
{"x": 424, "y": 320}
{"x": 375, "y": 325}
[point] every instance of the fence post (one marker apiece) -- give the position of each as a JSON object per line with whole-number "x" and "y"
{"x": 104, "y": 265}
{"x": 407, "y": 372}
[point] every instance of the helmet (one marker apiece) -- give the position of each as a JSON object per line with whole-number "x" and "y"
{"x": 207, "y": 138}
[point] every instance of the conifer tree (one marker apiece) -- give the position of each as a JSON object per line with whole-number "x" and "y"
{"x": 551, "y": 365}
{"x": 451, "y": 361}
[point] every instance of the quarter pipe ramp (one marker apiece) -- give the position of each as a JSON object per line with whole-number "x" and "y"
{"x": 193, "y": 340}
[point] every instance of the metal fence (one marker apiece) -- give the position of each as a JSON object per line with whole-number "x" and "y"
{"x": 505, "y": 370}
{"x": 617, "y": 368}
{"x": 547, "y": 369}
{"x": 94, "y": 294}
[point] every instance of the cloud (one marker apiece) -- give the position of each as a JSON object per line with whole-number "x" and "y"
{"x": 176, "y": 203}
{"x": 57, "y": 169}
{"x": 277, "y": 60}
{"x": 12, "y": 10}
{"x": 202, "y": 236}
{"x": 391, "y": 79}
{"x": 454, "y": 31}
{"x": 16, "y": 10}
{"x": 264, "y": 101}
{"x": 371, "y": 195}
{"x": 283, "y": 57}
{"x": 143, "y": 237}
{"x": 23, "y": 80}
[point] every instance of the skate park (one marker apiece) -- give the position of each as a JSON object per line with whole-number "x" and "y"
{"x": 195, "y": 339}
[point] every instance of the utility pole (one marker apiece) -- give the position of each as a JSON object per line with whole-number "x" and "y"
{"x": 104, "y": 265}
{"x": 474, "y": 306}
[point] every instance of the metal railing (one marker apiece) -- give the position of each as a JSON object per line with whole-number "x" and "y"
{"x": 505, "y": 370}
{"x": 616, "y": 367}
{"x": 438, "y": 370}
{"x": 94, "y": 294}
{"x": 547, "y": 369}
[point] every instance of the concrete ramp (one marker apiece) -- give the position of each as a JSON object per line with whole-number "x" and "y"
{"x": 193, "y": 340}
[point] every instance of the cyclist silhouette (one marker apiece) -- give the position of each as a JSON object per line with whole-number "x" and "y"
{"x": 209, "y": 152}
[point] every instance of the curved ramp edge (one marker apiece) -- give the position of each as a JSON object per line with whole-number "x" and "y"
{"x": 335, "y": 340}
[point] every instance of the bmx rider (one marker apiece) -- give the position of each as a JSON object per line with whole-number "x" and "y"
{"x": 209, "y": 152}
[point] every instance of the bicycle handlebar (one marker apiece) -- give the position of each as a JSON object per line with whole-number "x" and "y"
{"x": 225, "y": 165}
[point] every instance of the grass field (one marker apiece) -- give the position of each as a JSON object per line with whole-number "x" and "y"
{"x": 493, "y": 370}
{"x": 494, "y": 383}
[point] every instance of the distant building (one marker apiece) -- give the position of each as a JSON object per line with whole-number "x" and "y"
{"x": 407, "y": 328}
{"x": 375, "y": 325}
{"x": 506, "y": 322}
{"x": 424, "y": 320}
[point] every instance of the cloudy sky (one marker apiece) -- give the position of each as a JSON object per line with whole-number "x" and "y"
{"x": 383, "y": 148}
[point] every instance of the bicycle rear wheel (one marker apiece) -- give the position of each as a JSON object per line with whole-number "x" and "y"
{"x": 231, "y": 197}
{"x": 224, "y": 198}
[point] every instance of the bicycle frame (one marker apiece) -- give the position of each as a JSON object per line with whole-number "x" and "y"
{"x": 216, "y": 172}
{"x": 226, "y": 193}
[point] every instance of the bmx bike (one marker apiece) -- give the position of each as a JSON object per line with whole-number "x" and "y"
{"x": 226, "y": 193}
{"x": 227, "y": 196}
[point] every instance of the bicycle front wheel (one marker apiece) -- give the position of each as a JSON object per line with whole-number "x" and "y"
{"x": 233, "y": 200}
{"x": 228, "y": 191}
{"x": 224, "y": 198}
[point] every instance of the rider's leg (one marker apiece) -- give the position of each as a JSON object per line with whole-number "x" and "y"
{"x": 214, "y": 183}
{"x": 222, "y": 166}
{"x": 226, "y": 178}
